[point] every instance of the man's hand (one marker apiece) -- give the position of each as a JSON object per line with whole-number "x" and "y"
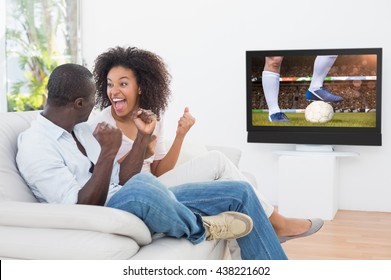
{"x": 185, "y": 123}
{"x": 145, "y": 121}
{"x": 109, "y": 137}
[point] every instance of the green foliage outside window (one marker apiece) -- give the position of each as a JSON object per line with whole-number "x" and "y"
{"x": 40, "y": 35}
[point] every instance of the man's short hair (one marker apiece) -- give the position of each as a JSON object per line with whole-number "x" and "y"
{"x": 69, "y": 82}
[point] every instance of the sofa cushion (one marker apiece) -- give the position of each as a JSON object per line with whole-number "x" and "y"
{"x": 190, "y": 149}
{"x": 12, "y": 185}
{"x": 56, "y": 231}
{"x": 183, "y": 249}
{"x": 63, "y": 244}
{"x": 74, "y": 217}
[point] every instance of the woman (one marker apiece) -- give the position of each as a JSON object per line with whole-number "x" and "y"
{"x": 129, "y": 79}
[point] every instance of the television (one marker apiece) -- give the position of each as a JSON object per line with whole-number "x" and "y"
{"x": 353, "y": 78}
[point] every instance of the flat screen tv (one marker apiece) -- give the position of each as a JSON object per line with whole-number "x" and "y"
{"x": 347, "y": 79}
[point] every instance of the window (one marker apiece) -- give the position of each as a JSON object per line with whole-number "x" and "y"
{"x": 38, "y": 36}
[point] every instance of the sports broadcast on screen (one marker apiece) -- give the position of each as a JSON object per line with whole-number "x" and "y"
{"x": 337, "y": 90}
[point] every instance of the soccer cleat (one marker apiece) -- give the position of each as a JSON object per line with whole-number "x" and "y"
{"x": 323, "y": 95}
{"x": 278, "y": 117}
{"x": 227, "y": 225}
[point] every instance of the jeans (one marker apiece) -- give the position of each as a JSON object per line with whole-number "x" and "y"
{"x": 177, "y": 211}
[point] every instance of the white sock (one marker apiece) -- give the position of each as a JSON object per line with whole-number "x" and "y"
{"x": 271, "y": 87}
{"x": 322, "y": 66}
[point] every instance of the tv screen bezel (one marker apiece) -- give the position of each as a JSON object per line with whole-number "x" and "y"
{"x": 364, "y": 136}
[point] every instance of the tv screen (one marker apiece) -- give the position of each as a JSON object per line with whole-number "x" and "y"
{"x": 317, "y": 96}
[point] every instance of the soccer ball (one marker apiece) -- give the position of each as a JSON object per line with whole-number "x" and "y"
{"x": 319, "y": 112}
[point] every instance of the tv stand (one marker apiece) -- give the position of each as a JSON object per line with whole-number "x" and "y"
{"x": 308, "y": 182}
{"x": 314, "y": 148}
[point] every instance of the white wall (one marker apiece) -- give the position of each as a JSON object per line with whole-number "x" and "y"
{"x": 204, "y": 44}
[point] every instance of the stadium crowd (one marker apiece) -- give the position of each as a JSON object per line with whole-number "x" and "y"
{"x": 292, "y": 96}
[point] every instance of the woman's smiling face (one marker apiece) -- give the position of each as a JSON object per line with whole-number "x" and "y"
{"x": 122, "y": 90}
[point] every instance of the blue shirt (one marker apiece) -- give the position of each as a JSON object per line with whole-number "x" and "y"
{"x": 53, "y": 166}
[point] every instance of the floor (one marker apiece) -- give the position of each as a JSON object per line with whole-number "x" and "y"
{"x": 351, "y": 235}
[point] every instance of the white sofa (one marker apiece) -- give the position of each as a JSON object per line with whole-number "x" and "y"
{"x": 32, "y": 230}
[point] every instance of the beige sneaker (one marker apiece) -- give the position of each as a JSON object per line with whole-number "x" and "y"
{"x": 227, "y": 225}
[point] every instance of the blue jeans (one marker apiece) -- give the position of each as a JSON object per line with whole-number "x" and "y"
{"x": 177, "y": 211}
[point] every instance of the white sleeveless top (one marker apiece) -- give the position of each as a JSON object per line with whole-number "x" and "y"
{"x": 127, "y": 143}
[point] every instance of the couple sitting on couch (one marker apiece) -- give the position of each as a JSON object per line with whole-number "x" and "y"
{"x": 61, "y": 150}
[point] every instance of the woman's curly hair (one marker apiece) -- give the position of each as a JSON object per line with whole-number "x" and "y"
{"x": 149, "y": 69}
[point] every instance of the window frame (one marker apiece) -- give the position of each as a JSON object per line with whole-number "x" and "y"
{"x": 3, "y": 66}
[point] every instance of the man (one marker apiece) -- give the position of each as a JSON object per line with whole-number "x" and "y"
{"x": 63, "y": 161}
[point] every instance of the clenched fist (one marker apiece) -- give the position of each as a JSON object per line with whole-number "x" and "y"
{"x": 145, "y": 121}
{"x": 185, "y": 123}
{"x": 108, "y": 136}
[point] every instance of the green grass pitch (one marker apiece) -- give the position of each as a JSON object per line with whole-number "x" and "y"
{"x": 359, "y": 119}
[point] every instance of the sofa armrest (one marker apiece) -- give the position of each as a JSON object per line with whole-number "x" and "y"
{"x": 74, "y": 217}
